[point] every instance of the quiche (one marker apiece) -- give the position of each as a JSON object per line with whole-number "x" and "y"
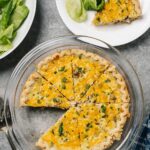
{"x": 93, "y": 92}
{"x": 118, "y": 11}
{"x": 87, "y": 126}
{"x": 87, "y": 67}
{"x": 110, "y": 87}
{"x": 57, "y": 69}
{"x": 37, "y": 92}
{"x": 64, "y": 135}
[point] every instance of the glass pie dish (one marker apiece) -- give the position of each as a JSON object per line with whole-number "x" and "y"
{"x": 28, "y": 124}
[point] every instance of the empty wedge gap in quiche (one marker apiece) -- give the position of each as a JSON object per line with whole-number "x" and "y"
{"x": 37, "y": 92}
{"x": 110, "y": 87}
{"x": 57, "y": 69}
{"x": 87, "y": 67}
{"x": 86, "y": 126}
{"x": 118, "y": 11}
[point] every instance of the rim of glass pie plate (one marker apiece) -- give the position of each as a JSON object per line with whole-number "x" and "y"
{"x": 131, "y": 77}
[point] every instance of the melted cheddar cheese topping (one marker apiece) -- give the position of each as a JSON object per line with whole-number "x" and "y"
{"x": 85, "y": 72}
{"x": 39, "y": 93}
{"x": 65, "y": 133}
{"x": 108, "y": 88}
{"x": 93, "y": 91}
{"x": 85, "y": 126}
{"x": 58, "y": 71}
{"x": 118, "y": 11}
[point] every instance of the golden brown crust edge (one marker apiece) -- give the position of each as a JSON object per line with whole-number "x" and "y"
{"x": 121, "y": 81}
{"x": 72, "y": 52}
{"x": 137, "y": 7}
{"x": 117, "y": 133}
{"x": 26, "y": 89}
{"x": 42, "y": 145}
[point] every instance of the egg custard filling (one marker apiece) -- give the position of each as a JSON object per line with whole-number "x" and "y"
{"x": 92, "y": 91}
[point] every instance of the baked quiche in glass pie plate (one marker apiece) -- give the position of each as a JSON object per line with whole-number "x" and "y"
{"x": 68, "y": 94}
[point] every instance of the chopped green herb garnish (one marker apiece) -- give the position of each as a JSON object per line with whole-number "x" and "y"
{"x": 96, "y": 94}
{"x": 82, "y": 94}
{"x": 80, "y": 56}
{"x": 64, "y": 80}
{"x": 78, "y": 71}
{"x": 56, "y": 100}
{"x": 63, "y": 86}
{"x": 60, "y": 130}
{"x": 89, "y": 125}
{"x": 81, "y": 70}
{"x": 103, "y": 108}
{"x": 53, "y": 131}
{"x": 87, "y": 86}
{"x": 107, "y": 81}
{"x": 62, "y": 68}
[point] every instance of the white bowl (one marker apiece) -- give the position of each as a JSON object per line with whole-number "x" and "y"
{"x": 24, "y": 29}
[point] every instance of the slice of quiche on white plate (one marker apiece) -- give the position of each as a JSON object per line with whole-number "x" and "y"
{"x": 115, "y": 11}
{"x": 37, "y": 92}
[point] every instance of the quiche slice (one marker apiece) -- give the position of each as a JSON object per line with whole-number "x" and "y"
{"x": 100, "y": 125}
{"x": 118, "y": 11}
{"x": 64, "y": 135}
{"x": 37, "y": 92}
{"x": 86, "y": 126}
{"x": 87, "y": 67}
{"x": 57, "y": 70}
{"x": 110, "y": 87}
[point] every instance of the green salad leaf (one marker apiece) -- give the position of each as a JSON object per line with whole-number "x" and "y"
{"x": 7, "y": 35}
{"x": 4, "y": 48}
{"x": 12, "y": 15}
{"x": 19, "y": 15}
{"x": 5, "y": 16}
{"x": 3, "y": 3}
{"x": 94, "y": 4}
{"x": 76, "y": 10}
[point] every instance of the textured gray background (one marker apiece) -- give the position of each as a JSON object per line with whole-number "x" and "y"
{"x": 48, "y": 25}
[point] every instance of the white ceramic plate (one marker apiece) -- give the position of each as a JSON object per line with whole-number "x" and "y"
{"x": 115, "y": 35}
{"x": 23, "y": 30}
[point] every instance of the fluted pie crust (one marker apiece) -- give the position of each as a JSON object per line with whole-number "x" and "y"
{"x": 92, "y": 91}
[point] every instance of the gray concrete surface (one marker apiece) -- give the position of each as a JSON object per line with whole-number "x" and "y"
{"x": 48, "y": 25}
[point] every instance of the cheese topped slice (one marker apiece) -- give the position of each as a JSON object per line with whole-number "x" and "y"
{"x": 87, "y": 67}
{"x": 64, "y": 135}
{"x": 57, "y": 70}
{"x": 87, "y": 126}
{"x": 37, "y": 92}
{"x": 110, "y": 87}
{"x": 118, "y": 11}
{"x": 101, "y": 124}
